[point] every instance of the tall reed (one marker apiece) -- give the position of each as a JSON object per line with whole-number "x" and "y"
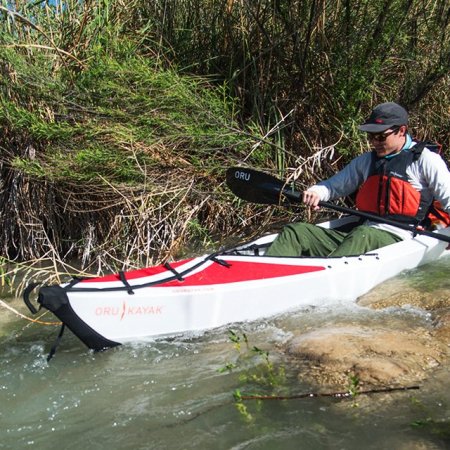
{"x": 330, "y": 61}
{"x": 118, "y": 118}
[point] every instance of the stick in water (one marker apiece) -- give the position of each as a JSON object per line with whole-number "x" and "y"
{"x": 326, "y": 394}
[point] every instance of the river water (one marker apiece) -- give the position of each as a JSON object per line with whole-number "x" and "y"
{"x": 172, "y": 394}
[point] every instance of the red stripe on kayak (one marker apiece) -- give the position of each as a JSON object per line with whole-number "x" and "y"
{"x": 241, "y": 271}
{"x": 140, "y": 273}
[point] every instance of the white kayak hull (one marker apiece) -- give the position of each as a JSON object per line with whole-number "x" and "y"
{"x": 228, "y": 287}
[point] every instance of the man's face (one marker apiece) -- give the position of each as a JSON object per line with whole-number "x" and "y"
{"x": 389, "y": 141}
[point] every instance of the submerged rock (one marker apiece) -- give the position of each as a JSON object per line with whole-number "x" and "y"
{"x": 376, "y": 356}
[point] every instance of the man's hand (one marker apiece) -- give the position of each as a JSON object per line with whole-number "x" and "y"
{"x": 311, "y": 199}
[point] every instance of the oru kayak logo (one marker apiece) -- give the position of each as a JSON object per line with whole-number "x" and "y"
{"x": 241, "y": 175}
{"x": 127, "y": 310}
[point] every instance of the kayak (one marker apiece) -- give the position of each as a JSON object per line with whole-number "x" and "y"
{"x": 229, "y": 286}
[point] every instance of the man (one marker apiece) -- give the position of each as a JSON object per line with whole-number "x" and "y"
{"x": 395, "y": 180}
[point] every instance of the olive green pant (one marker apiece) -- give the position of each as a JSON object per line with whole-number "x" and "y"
{"x": 305, "y": 239}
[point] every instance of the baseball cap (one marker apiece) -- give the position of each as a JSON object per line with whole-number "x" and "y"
{"x": 385, "y": 116}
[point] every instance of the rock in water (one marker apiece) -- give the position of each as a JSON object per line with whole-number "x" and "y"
{"x": 376, "y": 355}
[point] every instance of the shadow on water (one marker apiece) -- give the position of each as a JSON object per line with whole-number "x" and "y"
{"x": 172, "y": 395}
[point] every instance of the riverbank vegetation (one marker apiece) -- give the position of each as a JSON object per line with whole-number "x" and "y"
{"x": 119, "y": 118}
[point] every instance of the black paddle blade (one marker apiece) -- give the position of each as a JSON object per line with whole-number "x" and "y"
{"x": 259, "y": 187}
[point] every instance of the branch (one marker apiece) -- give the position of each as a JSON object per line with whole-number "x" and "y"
{"x": 327, "y": 394}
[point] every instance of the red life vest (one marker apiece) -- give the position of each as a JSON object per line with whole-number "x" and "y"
{"x": 387, "y": 192}
{"x": 437, "y": 217}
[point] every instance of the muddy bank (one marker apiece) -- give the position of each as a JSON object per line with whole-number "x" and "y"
{"x": 395, "y": 352}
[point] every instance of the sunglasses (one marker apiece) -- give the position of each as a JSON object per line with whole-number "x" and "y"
{"x": 381, "y": 137}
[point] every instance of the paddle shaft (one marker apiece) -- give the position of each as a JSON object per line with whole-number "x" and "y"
{"x": 380, "y": 219}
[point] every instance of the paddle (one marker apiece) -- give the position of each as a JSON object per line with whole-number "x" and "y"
{"x": 260, "y": 187}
